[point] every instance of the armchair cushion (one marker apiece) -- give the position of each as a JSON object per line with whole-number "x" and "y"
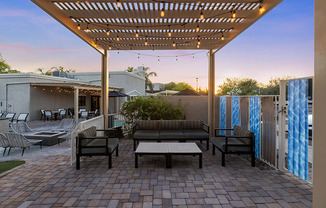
{"x": 146, "y": 134}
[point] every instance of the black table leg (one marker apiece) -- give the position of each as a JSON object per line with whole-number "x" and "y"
{"x": 168, "y": 161}
{"x": 136, "y": 161}
{"x": 200, "y": 161}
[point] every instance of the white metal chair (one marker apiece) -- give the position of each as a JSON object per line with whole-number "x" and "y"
{"x": 48, "y": 114}
{"x": 10, "y": 116}
{"x": 22, "y": 117}
{"x": 4, "y": 143}
{"x": 62, "y": 113}
{"x": 22, "y": 128}
{"x": 18, "y": 140}
{"x": 84, "y": 114}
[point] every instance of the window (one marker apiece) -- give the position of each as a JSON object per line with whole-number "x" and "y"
{"x": 82, "y": 101}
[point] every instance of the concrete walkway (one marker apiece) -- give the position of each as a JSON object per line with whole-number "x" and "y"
{"x": 48, "y": 180}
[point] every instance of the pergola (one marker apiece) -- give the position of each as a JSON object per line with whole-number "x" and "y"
{"x": 157, "y": 25}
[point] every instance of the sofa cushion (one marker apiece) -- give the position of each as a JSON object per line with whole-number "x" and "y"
{"x": 112, "y": 144}
{"x": 195, "y": 134}
{"x": 147, "y": 125}
{"x": 220, "y": 143}
{"x": 170, "y": 124}
{"x": 171, "y": 134}
{"x": 239, "y": 131}
{"x": 89, "y": 132}
{"x": 192, "y": 125}
{"x": 146, "y": 134}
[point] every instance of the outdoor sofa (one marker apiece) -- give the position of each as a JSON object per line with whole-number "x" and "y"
{"x": 164, "y": 130}
{"x": 242, "y": 141}
{"x": 89, "y": 144}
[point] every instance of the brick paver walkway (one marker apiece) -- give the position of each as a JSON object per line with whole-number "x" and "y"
{"x": 50, "y": 181}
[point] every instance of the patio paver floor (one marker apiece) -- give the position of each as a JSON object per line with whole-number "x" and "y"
{"x": 48, "y": 180}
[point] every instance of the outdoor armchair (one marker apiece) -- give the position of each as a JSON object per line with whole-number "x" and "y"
{"x": 48, "y": 115}
{"x": 84, "y": 114}
{"x": 4, "y": 142}
{"x": 10, "y": 116}
{"x": 62, "y": 113}
{"x": 89, "y": 144}
{"x": 22, "y": 117}
{"x": 242, "y": 141}
{"x": 18, "y": 140}
{"x": 22, "y": 128}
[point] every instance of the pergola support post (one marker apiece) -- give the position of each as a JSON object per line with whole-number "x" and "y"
{"x": 76, "y": 96}
{"x": 282, "y": 115}
{"x": 319, "y": 110}
{"x": 105, "y": 88}
{"x": 211, "y": 92}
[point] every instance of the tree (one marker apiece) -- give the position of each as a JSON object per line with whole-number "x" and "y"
{"x": 273, "y": 86}
{"x": 61, "y": 69}
{"x": 238, "y": 86}
{"x": 130, "y": 69}
{"x": 178, "y": 86}
{"x": 5, "y": 68}
{"x": 43, "y": 72}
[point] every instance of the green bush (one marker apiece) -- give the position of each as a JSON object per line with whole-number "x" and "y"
{"x": 150, "y": 108}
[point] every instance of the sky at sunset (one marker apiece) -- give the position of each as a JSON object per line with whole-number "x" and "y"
{"x": 279, "y": 44}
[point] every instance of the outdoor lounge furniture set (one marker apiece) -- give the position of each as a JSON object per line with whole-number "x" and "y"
{"x": 170, "y": 130}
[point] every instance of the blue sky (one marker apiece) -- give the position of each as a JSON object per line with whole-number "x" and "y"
{"x": 279, "y": 44}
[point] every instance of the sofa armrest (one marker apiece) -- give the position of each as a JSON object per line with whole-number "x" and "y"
{"x": 206, "y": 128}
{"x": 134, "y": 128}
{"x": 216, "y": 130}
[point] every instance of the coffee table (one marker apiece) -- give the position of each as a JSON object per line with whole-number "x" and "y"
{"x": 168, "y": 149}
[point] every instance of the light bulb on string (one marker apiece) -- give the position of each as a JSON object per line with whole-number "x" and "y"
{"x": 176, "y": 58}
{"x": 198, "y": 46}
{"x": 78, "y": 27}
{"x": 193, "y": 55}
{"x": 107, "y": 31}
{"x": 137, "y": 35}
{"x": 222, "y": 38}
{"x": 197, "y": 29}
{"x": 118, "y": 38}
{"x": 118, "y": 3}
{"x": 198, "y": 41}
{"x": 261, "y": 8}
{"x": 201, "y": 15}
{"x": 169, "y": 32}
{"x": 173, "y": 44}
{"x": 234, "y": 14}
{"x": 162, "y": 12}
{"x": 146, "y": 42}
{"x": 87, "y": 30}
{"x": 110, "y": 47}
{"x": 158, "y": 58}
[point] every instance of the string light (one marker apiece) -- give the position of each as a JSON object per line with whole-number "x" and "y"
{"x": 78, "y": 27}
{"x": 137, "y": 35}
{"x": 222, "y": 38}
{"x": 158, "y": 58}
{"x": 261, "y": 8}
{"x": 110, "y": 47}
{"x": 118, "y": 38}
{"x": 118, "y": 3}
{"x": 234, "y": 14}
{"x": 198, "y": 41}
{"x": 197, "y": 29}
{"x": 107, "y": 30}
{"x": 87, "y": 30}
{"x": 176, "y": 58}
{"x": 169, "y": 31}
{"x": 193, "y": 55}
{"x": 173, "y": 44}
{"x": 201, "y": 15}
{"x": 198, "y": 46}
{"x": 146, "y": 43}
{"x": 162, "y": 11}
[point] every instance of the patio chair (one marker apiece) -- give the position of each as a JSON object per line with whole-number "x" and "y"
{"x": 62, "y": 113}
{"x": 82, "y": 110}
{"x": 42, "y": 114}
{"x": 10, "y": 116}
{"x": 22, "y": 117}
{"x": 22, "y": 128}
{"x": 1, "y": 114}
{"x": 48, "y": 115}
{"x": 88, "y": 144}
{"x": 64, "y": 124}
{"x": 18, "y": 140}
{"x": 84, "y": 114}
{"x": 4, "y": 143}
{"x": 70, "y": 129}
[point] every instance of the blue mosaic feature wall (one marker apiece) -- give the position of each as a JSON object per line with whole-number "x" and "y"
{"x": 235, "y": 111}
{"x": 222, "y": 112}
{"x": 298, "y": 128}
{"x": 254, "y": 111}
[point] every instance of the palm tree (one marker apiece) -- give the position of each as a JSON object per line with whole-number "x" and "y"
{"x": 5, "y": 68}
{"x": 148, "y": 82}
{"x": 61, "y": 69}
{"x": 43, "y": 72}
{"x": 130, "y": 69}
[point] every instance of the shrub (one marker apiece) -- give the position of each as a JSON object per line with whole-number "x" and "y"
{"x": 150, "y": 108}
